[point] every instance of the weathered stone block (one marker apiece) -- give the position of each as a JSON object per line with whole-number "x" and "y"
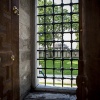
{"x": 24, "y": 31}
{"x": 25, "y": 68}
{"x": 24, "y": 18}
{"x": 25, "y": 4}
{"x": 25, "y": 55}
{"x": 24, "y": 44}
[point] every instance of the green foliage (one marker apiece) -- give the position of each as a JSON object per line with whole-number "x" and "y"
{"x": 75, "y": 18}
{"x": 57, "y": 19}
{"x": 66, "y": 64}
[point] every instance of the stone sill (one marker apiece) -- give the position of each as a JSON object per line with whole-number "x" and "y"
{"x": 68, "y": 90}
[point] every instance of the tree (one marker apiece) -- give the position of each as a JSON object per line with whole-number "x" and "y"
{"x": 75, "y": 18}
{"x": 49, "y": 19}
{"x": 48, "y": 28}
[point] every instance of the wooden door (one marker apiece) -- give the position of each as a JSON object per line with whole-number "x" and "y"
{"x": 9, "y": 47}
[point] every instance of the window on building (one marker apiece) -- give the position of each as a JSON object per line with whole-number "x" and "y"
{"x": 57, "y": 42}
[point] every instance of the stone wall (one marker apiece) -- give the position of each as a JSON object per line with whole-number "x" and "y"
{"x": 59, "y": 54}
{"x": 24, "y": 47}
{"x": 89, "y": 66}
{"x": 91, "y": 48}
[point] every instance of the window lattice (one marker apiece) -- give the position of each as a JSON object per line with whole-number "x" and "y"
{"x": 58, "y": 42}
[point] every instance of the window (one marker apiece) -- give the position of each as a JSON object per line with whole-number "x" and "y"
{"x": 57, "y": 42}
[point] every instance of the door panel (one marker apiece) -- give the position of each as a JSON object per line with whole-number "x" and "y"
{"x": 6, "y": 58}
{"x": 9, "y": 65}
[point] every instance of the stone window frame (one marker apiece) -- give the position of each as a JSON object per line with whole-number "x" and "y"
{"x": 34, "y": 55}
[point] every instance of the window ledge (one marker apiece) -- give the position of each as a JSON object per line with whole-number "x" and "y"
{"x": 68, "y": 90}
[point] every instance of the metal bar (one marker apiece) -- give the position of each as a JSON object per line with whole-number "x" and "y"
{"x": 62, "y": 41}
{"x": 57, "y": 59}
{"x": 56, "y": 78}
{"x": 53, "y": 48}
{"x": 59, "y": 50}
{"x": 57, "y": 32}
{"x": 71, "y": 40}
{"x": 45, "y": 41}
{"x": 57, "y": 23}
{"x": 55, "y": 5}
{"x": 57, "y": 14}
{"x": 58, "y": 41}
{"x": 59, "y": 68}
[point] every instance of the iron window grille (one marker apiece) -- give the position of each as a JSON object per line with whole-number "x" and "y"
{"x": 58, "y": 52}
